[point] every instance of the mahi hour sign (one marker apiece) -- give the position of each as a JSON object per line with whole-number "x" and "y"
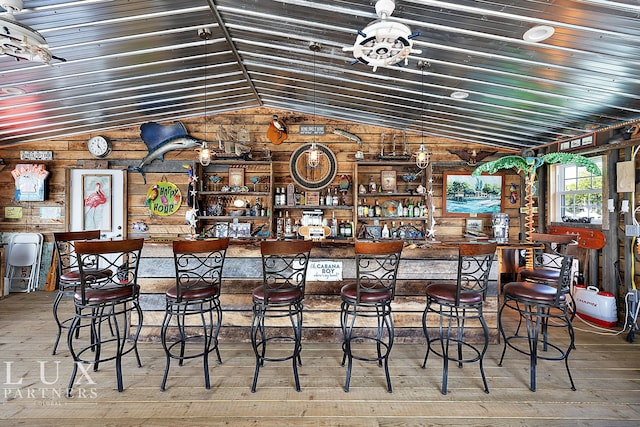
{"x": 164, "y": 198}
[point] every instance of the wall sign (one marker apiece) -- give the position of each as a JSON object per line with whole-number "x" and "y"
{"x": 29, "y": 182}
{"x": 36, "y": 155}
{"x": 577, "y": 143}
{"x": 311, "y": 130}
{"x": 164, "y": 198}
{"x": 324, "y": 271}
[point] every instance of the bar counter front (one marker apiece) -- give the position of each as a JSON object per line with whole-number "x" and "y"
{"x": 333, "y": 261}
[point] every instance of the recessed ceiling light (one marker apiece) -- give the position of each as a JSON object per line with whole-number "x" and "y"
{"x": 458, "y": 94}
{"x": 538, "y": 33}
{"x": 10, "y": 90}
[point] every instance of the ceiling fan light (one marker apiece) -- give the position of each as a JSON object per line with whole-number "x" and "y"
{"x": 538, "y": 33}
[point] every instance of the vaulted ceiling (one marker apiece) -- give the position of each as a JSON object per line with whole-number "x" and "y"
{"x": 130, "y": 62}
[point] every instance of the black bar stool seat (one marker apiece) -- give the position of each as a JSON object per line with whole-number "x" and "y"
{"x": 284, "y": 272}
{"x": 189, "y": 330}
{"x": 455, "y": 305}
{"x": 370, "y": 297}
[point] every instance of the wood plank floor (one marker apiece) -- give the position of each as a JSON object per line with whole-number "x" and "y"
{"x": 606, "y": 370}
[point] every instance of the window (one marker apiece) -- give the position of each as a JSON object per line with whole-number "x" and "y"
{"x": 578, "y": 194}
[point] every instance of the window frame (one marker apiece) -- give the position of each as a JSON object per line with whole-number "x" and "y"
{"x": 557, "y": 176}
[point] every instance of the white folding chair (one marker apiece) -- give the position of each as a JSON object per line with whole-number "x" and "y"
{"x": 23, "y": 262}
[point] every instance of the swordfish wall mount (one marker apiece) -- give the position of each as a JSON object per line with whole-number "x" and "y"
{"x": 160, "y": 139}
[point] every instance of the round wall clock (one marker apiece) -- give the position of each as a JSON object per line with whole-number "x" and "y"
{"x": 98, "y": 146}
{"x": 313, "y": 178}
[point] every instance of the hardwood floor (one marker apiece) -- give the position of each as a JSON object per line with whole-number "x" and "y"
{"x": 606, "y": 371}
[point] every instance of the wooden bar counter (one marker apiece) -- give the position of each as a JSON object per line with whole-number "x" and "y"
{"x": 422, "y": 263}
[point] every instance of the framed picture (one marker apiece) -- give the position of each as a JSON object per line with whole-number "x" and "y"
{"x": 97, "y": 199}
{"x": 236, "y": 177}
{"x": 388, "y": 180}
{"x": 220, "y": 229}
{"x": 466, "y": 195}
{"x": 313, "y": 198}
{"x": 474, "y": 226}
{"x": 373, "y": 232}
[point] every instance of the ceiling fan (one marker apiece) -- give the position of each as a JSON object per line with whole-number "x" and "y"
{"x": 20, "y": 41}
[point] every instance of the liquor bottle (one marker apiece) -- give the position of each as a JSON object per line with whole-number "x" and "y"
{"x": 347, "y": 229}
{"x": 400, "y": 211}
{"x": 280, "y": 225}
{"x": 385, "y": 232}
{"x": 378, "y": 209}
{"x": 287, "y": 224}
{"x": 334, "y": 225}
{"x": 336, "y": 198}
{"x": 360, "y": 210}
{"x": 372, "y": 211}
{"x": 417, "y": 210}
{"x": 365, "y": 208}
{"x": 410, "y": 209}
{"x": 328, "y": 199}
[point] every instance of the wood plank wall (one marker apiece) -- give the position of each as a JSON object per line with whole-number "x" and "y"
{"x": 128, "y": 150}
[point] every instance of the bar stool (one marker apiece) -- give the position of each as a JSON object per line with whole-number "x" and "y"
{"x": 456, "y": 304}
{"x": 547, "y": 259}
{"x": 536, "y": 303}
{"x": 97, "y": 302}
{"x": 284, "y": 270}
{"x": 370, "y": 297}
{"x": 68, "y": 273}
{"x": 196, "y": 295}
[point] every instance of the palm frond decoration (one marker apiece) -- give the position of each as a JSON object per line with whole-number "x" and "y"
{"x": 527, "y": 166}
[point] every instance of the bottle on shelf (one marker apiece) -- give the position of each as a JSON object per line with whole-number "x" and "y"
{"x": 365, "y": 208}
{"x": 257, "y": 208}
{"x": 400, "y": 211}
{"x": 287, "y": 224}
{"x": 279, "y": 225}
{"x": 328, "y": 199}
{"x": 348, "y": 229}
{"x": 385, "y": 231}
{"x": 378, "y": 209}
{"x": 410, "y": 209}
{"x": 335, "y": 200}
{"x": 334, "y": 225}
{"x": 417, "y": 210}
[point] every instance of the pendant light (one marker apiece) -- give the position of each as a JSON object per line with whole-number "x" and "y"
{"x": 313, "y": 154}
{"x": 204, "y": 157}
{"x": 422, "y": 155}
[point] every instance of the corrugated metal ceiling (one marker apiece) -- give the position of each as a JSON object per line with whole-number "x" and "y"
{"x": 129, "y": 62}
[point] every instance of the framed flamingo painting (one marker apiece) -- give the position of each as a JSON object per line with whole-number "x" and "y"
{"x": 97, "y": 198}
